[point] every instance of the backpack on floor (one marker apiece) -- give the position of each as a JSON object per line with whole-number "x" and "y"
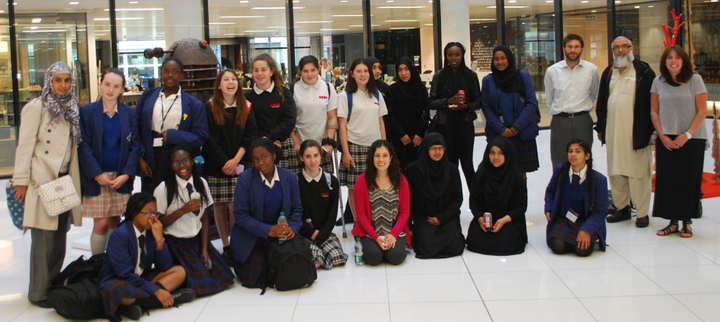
{"x": 290, "y": 265}
{"x": 74, "y": 293}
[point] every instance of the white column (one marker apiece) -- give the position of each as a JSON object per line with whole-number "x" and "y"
{"x": 183, "y": 19}
{"x": 456, "y": 25}
{"x": 427, "y": 49}
{"x": 92, "y": 56}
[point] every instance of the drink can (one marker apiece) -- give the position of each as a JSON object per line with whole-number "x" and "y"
{"x": 488, "y": 220}
{"x": 195, "y": 195}
{"x": 461, "y": 94}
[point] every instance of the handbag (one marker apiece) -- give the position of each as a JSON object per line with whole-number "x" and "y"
{"x": 17, "y": 209}
{"x": 58, "y": 196}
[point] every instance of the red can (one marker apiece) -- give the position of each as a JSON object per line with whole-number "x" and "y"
{"x": 461, "y": 95}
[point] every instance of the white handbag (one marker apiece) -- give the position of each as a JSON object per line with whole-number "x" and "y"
{"x": 58, "y": 196}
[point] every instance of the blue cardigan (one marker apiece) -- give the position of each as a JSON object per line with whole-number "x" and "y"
{"x": 524, "y": 109}
{"x": 595, "y": 222}
{"x": 122, "y": 254}
{"x": 248, "y": 210}
{"x": 193, "y": 129}
{"x": 90, "y": 149}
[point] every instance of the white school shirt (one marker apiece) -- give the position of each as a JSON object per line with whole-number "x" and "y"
{"x": 188, "y": 225}
{"x": 571, "y": 90}
{"x": 364, "y": 126}
{"x": 170, "y": 108}
{"x": 313, "y": 103}
{"x": 138, "y": 269}
{"x": 271, "y": 183}
{"x": 581, "y": 174}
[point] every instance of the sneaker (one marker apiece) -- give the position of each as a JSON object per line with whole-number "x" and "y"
{"x": 642, "y": 222}
{"x": 182, "y": 296}
{"x": 132, "y": 311}
{"x": 621, "y": 215}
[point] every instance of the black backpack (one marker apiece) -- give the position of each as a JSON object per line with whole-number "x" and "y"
{"x": 290, "y": 265}
{"x": 74, "y": 293}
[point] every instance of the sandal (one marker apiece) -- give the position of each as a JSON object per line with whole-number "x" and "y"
{"x": 686, "y": 230}
{"x": 668, "y": 230}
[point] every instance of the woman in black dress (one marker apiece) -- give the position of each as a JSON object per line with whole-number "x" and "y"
{"x": 435, "y": 203}
{"x": 410, "y": 106}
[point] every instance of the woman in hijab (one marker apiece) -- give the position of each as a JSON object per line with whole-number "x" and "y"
{"x": 435, "y": 203}
{"x": 47, "y": 144}
{"x": 509, "y": 105}
{"x": 499, "y": 189}
{"x": 410, "y": 108}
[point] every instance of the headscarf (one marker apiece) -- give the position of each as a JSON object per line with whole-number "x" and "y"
{"x": 508, "y": 80}
{"x": 381, "y": 85}
{"x": 414, "y": 87}
{"x": 435, "y": 175}
{"x": 62, "y": 106}
{"x": 497, "y": 183}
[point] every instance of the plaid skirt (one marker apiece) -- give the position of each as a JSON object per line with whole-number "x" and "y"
{"x": 295, "y": 166}
{"x": 222, "y": 189}
{"x": 288, "y": 149}
{"x": 252, "y": 273}
{"x": 567, "y": 231}
{"x": 330, "y": 253}
{"x": 526, "y": 153}
{"x": 186, "y": 252}
{"x": 109, "y": 203}
{"x": 114, "y": 292}
{"x": 359, "y": 154}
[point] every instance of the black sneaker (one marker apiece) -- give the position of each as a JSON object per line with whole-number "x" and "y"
{"x": 132, "y": 311}
{"x": 621, "y": 215}
{"x": 182, "y": 296}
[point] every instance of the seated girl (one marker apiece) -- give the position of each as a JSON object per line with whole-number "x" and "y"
{"x": 183, "y": 197}
{"x": 319, "y": 192}
{"x": 576, "y": 203}
{"x": 129, "y": 284}
{"x": 435, "y": 206}
{"x": 498, "y": 188}
{"x": 261, "y": 195}
{"x": 382, "y": 206}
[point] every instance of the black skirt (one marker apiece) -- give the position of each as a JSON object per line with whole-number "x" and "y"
{"x": 678, "y": 179}
{"x": 442, "y": 241}
{"x": 508, "y": 241}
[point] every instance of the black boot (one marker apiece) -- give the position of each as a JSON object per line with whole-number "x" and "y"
{"x": 621, "y": 215}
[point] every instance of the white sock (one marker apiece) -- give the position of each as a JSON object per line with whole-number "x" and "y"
{"x": 98, "y": 243}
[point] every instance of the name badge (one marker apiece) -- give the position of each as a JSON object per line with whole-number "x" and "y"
{"x": 157, "y": 142}
{"x": 572, "y": 216}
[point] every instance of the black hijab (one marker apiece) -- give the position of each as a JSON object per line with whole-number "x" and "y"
{"x": 413, "y": 88}
{"x": 497, "y": 183}
{"x": 434, "y": 175}
{"x": 508, "y": 80}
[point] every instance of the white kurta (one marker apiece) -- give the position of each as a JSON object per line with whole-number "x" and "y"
{"x": 621, "y": 158}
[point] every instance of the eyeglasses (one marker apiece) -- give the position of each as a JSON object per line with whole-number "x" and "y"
{"x": 624, "y": 47}
{"x": 149, "y": 213}
{"x": 168, "y": 72}
{"x": 437, "y": 149}
{"x": 183, "y": 162}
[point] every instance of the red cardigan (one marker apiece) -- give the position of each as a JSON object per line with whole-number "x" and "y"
{"x": 363, "y": 225}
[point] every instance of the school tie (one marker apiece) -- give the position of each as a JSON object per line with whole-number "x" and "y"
{"x": 575, "y": 180}
{"x": 141, "y": 243}
{"x": 190, "y": 191}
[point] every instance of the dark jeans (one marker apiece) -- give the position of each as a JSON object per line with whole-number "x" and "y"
{"x": 373, "y": 254}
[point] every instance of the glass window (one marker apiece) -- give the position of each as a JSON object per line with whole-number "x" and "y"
{"x": 705, "y": 44}
{"x": 589, "y": 20}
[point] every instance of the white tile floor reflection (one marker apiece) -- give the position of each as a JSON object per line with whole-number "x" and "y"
{"x": 641, "y": 277}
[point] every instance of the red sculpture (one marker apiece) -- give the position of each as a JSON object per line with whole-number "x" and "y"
{"x": 675, "y": 30}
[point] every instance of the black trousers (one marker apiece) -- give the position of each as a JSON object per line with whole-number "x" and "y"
{"x": 373, "y": 254}
{"x": 460, "y": 139}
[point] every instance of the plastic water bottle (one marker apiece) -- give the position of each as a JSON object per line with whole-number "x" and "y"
{"x": 282, "y": 220}
{"x": 358, "y": 252}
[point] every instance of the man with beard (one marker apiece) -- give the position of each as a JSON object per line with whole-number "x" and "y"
{"x": 624, "y": 124}
{"x": 571, "y": 87}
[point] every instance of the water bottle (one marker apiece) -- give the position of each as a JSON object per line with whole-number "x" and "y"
{"x": 358, "y": 252}
{"x": 282, "y": 220}
{"x": 309, "y": 222}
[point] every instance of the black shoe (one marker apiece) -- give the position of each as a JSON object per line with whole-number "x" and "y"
{"x": 621, "y": 215}
{"x": 43, "y": 304}
{"x": 642, "y": 222}
{"x": 182, "y": 296}
{"x": 132, "y": 311}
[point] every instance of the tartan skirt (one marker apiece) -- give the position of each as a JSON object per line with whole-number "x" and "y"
{"x": 526, "y": 153}
{"x": 359, "y": 154}
{"x": 222, "y": 189}
{"x": 330, "y": 253}
{"x": 288, "y": 149}
{"x": 186, "y": 252}
{"x": 252, "y": 273}
{"x": 295, "y": 166}
{"x": 109, "y": 203}
{"x": 567, "y": 231}
{"x": 114, "y": 292}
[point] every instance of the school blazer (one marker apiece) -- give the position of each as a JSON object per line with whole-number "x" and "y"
{"x": 248, "y": 210}
{"x": 595, "y": 222}
{"x": 524, "y": 109}
{"x": 193, "y": 129}
{"x": 121, "y": 257}
{"x": 90, "y": 150}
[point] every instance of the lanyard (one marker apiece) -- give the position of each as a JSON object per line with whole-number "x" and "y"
{"x": 162, "y": 110}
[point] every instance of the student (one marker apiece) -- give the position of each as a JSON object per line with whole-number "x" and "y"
{"x": 576, "y": 204}
{"x": 435, "y": 206}
{"x": 360, "y": 127}
{"x": 273, "y": 104}
{"x": 319, "y": 192}
{"x": 108, "y": 156}
{"x": 316, "y": 103}
{"x": 137, "y": 273}
{"x": 167, "y": 116}
{"x": 382, "y": 207}
{"x": 232, "y": 129}
{"x": 262, "y": 193}
{"x": 182, "y": 199}
{"x": 498, "y": 188}
{"x": 410, "y": 110}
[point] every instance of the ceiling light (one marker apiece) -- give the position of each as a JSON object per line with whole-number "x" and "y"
{"x": 133, "y": 2}
{"x": 584, "y": 1}
{"x": 654, "y": 6}
{"x": 593, "y": 11}
{"x": 637, "y": 7}
{"x": 347, "y": 15}
{"x": 126, "y": 18}
{"x": 549, "y": 1}
{"x": 398, "y": 28}
{"x": 257, "y": 31}
{"x": 136, "y": 9}
{"x": 360, "y": 26}
{"x": 274, "y": 8}
{"x": 45, "y": 30}
{"x": 240, "y": 17}
{"x": 401, "y": 7}
{"x": 74, "y": 3}
{"x": 512, "y": 1}
{"x": 330, "y": 29}
{"x": 618, "y": 1}
{"x": 36, "y": 20}
{"x": 400, "y": 20}
{"x": 483, "y": 19}
{"x": 508, "y": 7}
{"x": 222, "y": 23}
{"x": 315, "y": 21}
{"x": 389, "y": 1}
{"x": 244, "y": 1}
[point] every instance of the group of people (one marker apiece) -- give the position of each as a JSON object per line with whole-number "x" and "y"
{"x": 268, "y": 154}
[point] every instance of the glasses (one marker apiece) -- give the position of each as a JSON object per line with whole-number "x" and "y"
{"x": 169, "y": 72}
{"x": 624, "y": 47}
{"x": 149, "y": 213}
{"x": 183, "y": 162}
{"x": 437, "y": 149}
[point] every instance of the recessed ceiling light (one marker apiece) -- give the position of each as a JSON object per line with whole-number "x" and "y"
{"x": 483, "y": 19}
{"x": 332, "y": 29}
{"x": 389, "y": 0}
{"x": 593, "y": 11}
{"x": 360, "y": 26}
{"x": 137, "y": 9}
{"x": 74, "y": 3}
{"x": 401, "y": 7}
{"x": 244, "y": 1}
{"x": 398, "y": 28}
{"x": 409, "y": 20}
{"x": 274, "y": 8}
{"x": 258, "y": 31}
{"x": 549, "y": 1}
{"x": 315, "y": 21}
{"x": 222, "y": 23}
{"x": 512, "y": 1}
{"x": 133, "y": 2}
{"x": 509, "y": 7}
{"x": 347, "y": 15}
{"x": 618, "y": 1}
{"x": 584, "y": 1}
{"x": 637, "y": 7}
{"x": 240, "y": 17}
{"x": 36, "y": 20}
{"x": 651, "y": 6}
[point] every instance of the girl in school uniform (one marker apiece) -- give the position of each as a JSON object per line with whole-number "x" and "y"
{"x": 109, "y": 153}
{"x": 182, "y": 199}
{"x": 129, "y": 283}
{"x": 360, "y": 126}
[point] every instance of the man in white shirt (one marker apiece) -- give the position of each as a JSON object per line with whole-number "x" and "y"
{"x": 571, "y": 87}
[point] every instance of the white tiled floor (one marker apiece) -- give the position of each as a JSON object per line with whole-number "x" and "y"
{"x": 641, "y": 277}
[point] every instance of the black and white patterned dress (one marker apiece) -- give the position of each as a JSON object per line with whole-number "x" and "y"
{"x": 384, "y": 210}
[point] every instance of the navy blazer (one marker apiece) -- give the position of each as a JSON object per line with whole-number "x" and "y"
{"x": 524, "y": 109}
{"x": 595, "y": 222}
{"x": 193, "y": 129}
{"x": 90, "y": 149}
{"x": 248, "y": 210}
{"x": 122, "y": 254}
